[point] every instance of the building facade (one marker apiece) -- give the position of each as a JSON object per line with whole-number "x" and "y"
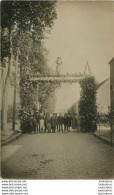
{"x": 103, "y": 96}
{"x": 112, "y": 85}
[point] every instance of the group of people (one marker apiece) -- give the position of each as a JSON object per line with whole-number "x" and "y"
{"x": 42, "y": 123}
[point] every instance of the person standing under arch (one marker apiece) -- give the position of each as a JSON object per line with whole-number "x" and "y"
{"x": 58, "y": 66}
{"x": 60, "y": 122}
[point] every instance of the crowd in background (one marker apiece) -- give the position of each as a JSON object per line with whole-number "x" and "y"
{"x": 47, "y": 123}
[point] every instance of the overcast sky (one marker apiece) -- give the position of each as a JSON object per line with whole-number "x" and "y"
{"x": 84, "y": 31}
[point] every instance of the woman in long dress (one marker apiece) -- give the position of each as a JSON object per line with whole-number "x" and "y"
{"x": 42, "y": 127}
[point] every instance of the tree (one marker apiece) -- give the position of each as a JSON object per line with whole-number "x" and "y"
{"x": 33, "y": 60}
{"x": 18, "y": 18}
{"x": 87, "y": 105}
{"x": 47, "y": 96}
{"x": 72, "y": 110}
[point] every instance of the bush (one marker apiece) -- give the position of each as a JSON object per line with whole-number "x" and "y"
{"x": 87, "y": 105}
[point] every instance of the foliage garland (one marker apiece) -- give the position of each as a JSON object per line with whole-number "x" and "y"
{"x": 87, "y": 105}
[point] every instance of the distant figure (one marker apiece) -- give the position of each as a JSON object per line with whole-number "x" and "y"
{"x": 32, "y": 124}
{"x": 48, "y": 123}
{"x": 74, "y": 122}
{"x": 65, "y": 123}
{"x": 60, "y": 123}
{"x": 45, "y": 119}
{"x": 42, "y": 127}
{"x": 37, "y": 122}
{"x": 53, "y": 122}
{"x": 58, "y": 66}
{"x": 69, "y": 118}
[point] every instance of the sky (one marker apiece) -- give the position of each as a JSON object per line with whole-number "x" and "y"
{"x": 83, "y": 31}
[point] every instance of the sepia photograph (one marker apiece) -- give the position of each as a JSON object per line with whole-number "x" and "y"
{"x": 57, "y": 90}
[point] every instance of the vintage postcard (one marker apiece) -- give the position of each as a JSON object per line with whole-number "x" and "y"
{"x": 57, "y": 90}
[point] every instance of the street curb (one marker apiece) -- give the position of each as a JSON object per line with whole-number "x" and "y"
{"x": 104, "y": 140}
{"x": 9, "y": 140}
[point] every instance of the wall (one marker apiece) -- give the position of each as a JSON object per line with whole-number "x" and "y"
{"x": 103, "y": 96}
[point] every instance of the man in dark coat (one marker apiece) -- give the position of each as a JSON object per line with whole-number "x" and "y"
{"x": 60, "y": 122}
{"x": 31, "y": 124}
{"x": 45, "y": 122}
{"x": 65, "y": 122}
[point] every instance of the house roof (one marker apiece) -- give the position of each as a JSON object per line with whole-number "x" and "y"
{"x": 111, "y": 60}
{"x": 100, "y": 84}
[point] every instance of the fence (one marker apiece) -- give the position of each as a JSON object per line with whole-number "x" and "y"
{"x": 105, "y": 128}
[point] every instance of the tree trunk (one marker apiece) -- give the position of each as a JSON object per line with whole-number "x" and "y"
{"x": 14, "y": 98}
{"x": 5, "y": 90}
